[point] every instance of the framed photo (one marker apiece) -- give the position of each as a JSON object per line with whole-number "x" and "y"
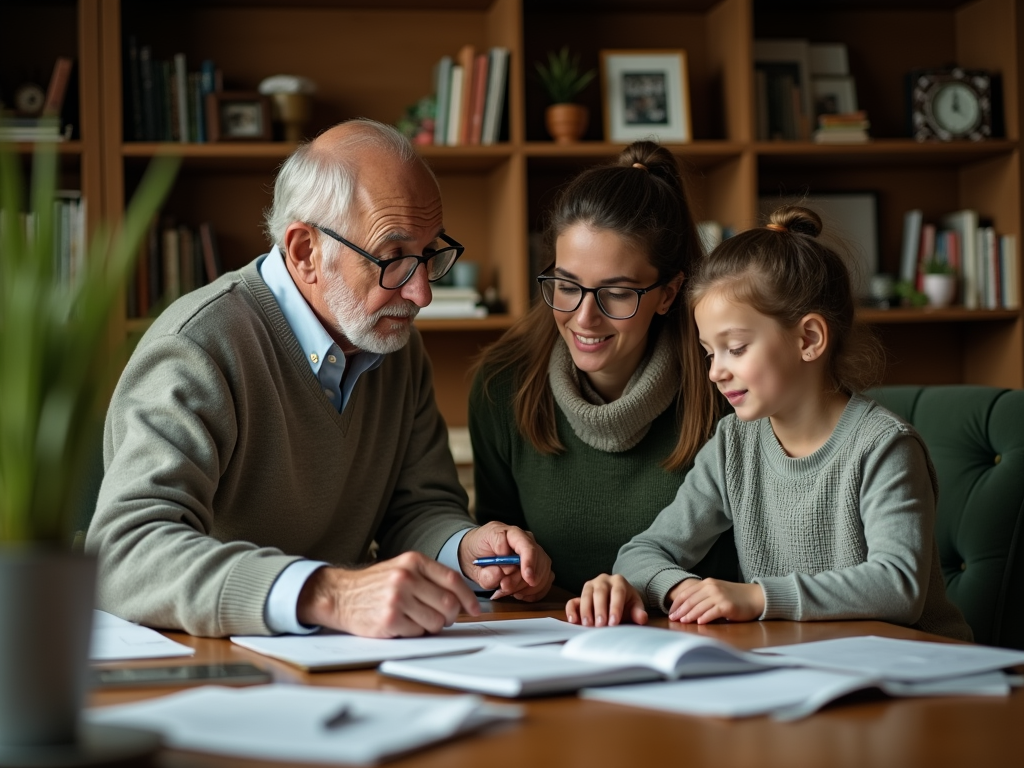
{"x": 834, "y": 94}
{"x": 849, "y": 222}
{"x": 238, "y": 116}
{"x": 646, "y": 95}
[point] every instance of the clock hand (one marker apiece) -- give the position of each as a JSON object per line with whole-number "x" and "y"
{"x": 956, "y": 102}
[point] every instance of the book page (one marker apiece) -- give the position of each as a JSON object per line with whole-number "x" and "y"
{"x": 114, "y": 639}
{"x": 673, "y": 654}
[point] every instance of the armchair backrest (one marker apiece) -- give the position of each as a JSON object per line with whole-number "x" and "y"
{"x": 975, "y": 436}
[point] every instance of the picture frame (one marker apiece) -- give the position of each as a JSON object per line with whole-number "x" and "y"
{"x": 849, "y": 222}
{"x": 834, "y": 94}
{"x": 238, "y": 116}
{"x": 646, "y": 95}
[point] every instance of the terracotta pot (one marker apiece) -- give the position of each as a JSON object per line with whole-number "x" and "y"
{"x": 566, "y": 122}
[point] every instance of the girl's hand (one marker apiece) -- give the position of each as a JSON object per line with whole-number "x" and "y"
{"x": 606, "y": 600}
{"x": 704, "y": 601}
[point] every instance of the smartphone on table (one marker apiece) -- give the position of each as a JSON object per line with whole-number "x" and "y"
{"x": 179, "y": 675}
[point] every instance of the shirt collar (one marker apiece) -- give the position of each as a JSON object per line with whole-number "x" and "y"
{"x": 312, "y": 336}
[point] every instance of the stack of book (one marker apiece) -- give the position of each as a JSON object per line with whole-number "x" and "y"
{"x": 164, "y": 101}
{"x": 470, "y": 95}
{"x": 986, "y": 262}
{"x": 176, "y": 259}
{"x": 452, "y": 302}
{"x": 846, "y": 128}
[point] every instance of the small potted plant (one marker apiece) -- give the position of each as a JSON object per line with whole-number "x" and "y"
{"x": 939, "y": 283}
{"x": 53, "y": 379}
{"x": 563, "y": 82}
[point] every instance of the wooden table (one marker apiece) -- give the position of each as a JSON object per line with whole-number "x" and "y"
{"x": 865, "y": 729}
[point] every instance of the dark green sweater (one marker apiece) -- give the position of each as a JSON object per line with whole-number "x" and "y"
{"x": 582, "y": 504}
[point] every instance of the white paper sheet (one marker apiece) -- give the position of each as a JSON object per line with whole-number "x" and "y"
{"x": 286, "y": 722}
{"x": 785, "y": 694}
{"x": 114, "y": 639}
{"x": 891, "y": 659}
{"x": 339, "y": 651}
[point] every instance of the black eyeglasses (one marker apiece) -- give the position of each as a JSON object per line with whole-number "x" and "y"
{"x": 616, "y": 302}
{"x": 394, "y": 273}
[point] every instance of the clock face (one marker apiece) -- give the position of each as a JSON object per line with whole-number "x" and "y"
{"x": 956, "y": 109}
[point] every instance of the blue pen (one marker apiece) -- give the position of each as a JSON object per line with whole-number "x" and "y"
{"x": 502, "y": 560}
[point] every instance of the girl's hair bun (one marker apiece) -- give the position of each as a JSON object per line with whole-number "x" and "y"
{"x": 794, "y": 218}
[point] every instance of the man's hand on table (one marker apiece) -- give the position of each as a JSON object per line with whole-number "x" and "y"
{"x": 406, "y": 596}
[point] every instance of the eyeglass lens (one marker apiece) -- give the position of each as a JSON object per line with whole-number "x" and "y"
{"x": 617, "y": 303}
{"x": 398, "y": 271}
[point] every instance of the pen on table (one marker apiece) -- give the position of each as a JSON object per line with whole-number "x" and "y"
{"x": 501, "y": 560}
{"x": 344, "y": 715}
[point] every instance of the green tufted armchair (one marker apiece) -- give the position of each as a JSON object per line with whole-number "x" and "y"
{"x": 976, "y": 439}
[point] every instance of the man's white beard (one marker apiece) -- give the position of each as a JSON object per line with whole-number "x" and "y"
{"x": 359, "y": 328}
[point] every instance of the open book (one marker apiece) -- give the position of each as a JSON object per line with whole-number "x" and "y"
{"x": 604, "y": 656}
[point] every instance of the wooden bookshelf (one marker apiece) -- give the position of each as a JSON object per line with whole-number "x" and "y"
{"x": 373, "y": 59}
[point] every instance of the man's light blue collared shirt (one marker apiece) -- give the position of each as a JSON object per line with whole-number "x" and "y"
{"x": 328, "y": 364}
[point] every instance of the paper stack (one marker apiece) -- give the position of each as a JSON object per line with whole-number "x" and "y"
{"x": 448, "y": 302}
{"x": 847, "y": 128}
{"x": 295, "y": 723}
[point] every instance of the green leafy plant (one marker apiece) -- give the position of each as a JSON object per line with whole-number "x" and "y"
{"x": 54, "y": 344}
{"x": 561, "y": 76}
{"x": 938, "y": 267}
{"x": 909, "y": 294}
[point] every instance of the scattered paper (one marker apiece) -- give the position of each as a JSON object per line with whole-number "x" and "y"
{"x": 288, "y": 723}
{"x": 115, "y": 639}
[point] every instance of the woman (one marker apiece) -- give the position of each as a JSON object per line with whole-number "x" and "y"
{"x": 586, "y": 415}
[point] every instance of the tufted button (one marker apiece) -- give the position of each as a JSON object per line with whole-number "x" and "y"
{"x": 998, "y": 458}
{"x": 963, "y": 566}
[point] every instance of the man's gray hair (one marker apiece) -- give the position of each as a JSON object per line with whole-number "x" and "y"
{"x": 316, "y": 185}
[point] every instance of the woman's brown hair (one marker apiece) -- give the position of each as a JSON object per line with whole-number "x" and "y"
{"x": 784, "y": 271}
{"x": 640, "y": 198}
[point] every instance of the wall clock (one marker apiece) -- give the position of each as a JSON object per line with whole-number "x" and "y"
{"x": 952, "y": 104}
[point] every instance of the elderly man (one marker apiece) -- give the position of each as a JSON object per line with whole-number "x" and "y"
{"x": 271, "y": 426}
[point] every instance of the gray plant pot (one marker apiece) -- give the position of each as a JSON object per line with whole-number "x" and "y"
{"x": 46, "y": 604}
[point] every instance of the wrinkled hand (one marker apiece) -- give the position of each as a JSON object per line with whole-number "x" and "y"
{"x": 528, "y": 581}
{"x": 704, "y": 601}
{"x": 406, "y": 596}
{"x": 606, "y": 600}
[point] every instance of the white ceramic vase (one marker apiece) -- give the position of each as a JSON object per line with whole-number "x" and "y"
{"x": 940, "y": 289}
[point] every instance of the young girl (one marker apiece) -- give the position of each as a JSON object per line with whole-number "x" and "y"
{"x": 587, "y": 413}
{"x": 831, "y": 497}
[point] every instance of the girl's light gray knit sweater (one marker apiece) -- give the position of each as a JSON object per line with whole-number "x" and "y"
{"x": 844, "y": 533}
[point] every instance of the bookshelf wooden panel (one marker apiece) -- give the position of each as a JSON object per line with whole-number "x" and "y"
{"x": 374, "y": 58}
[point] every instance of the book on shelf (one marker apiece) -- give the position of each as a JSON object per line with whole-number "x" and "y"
{"x": 842, "y": 128}
{"x": 46, "y": 129}
{"x": 57, "y": 89}
{"x": 164, "y": 100}
{"x": 595, "y": 657}
{"x": 466, "y": 58}
{"x": 453, "y": 302}
{"x": 481, "y": 63}
{"x": 442, "y": 85}
{"x": 211, "y": 255}
{"x": 1009, "y": 264}
{"x": 783, "y": 90}
{"x": 455, "y": 93}
{"x": 965, "y": 223}
{"x": 912, "y": 221}
{"x": 496, "y": 94}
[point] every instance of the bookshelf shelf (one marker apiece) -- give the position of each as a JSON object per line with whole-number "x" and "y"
{"x": 926, "y": 315}
{"x": 905, "y": 152}
{"x": 496, "y": 195}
